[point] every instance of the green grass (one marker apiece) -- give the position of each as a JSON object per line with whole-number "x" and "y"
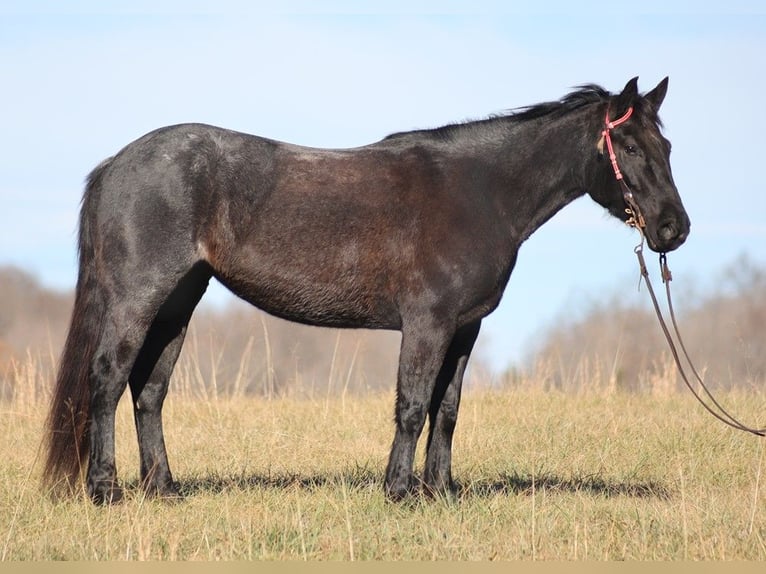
{"x": 597, "y": 475}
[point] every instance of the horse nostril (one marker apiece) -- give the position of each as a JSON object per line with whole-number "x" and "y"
{"x": 668, "y": 231}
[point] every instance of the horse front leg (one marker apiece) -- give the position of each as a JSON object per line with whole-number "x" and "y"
{"x": 422, "y": 353}
{"x": 443, "y": 412}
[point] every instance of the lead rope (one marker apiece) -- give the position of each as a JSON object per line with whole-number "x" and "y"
{"x": 722, "y": 415}
{"x": 636, "y": 220}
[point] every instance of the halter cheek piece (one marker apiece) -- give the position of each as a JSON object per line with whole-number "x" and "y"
{"x": 635, "y": 219}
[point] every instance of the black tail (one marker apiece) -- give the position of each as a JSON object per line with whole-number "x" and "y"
{"x": 67, "y": 424}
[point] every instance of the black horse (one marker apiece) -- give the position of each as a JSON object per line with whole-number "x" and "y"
{"x": 418, "y": 233}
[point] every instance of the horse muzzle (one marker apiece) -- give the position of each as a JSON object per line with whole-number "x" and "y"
{"x": 669, "y": 233}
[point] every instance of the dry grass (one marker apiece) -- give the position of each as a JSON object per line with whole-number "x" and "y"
{"x": 547, "y": 475}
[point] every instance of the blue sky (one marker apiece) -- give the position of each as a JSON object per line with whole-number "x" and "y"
{"x": 80, "y": 82}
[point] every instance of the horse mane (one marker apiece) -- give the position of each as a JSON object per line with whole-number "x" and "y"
{"x": 581, "y": 96}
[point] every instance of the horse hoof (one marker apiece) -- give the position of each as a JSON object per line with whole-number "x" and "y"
{"x": 403, "y": 490}
{"x": 444, "y": 489}
{"x": 166, "y": 489}
{"x": 448, "y": 491}
{"x": 105, "y": 493}
{"x": 167, "y": 493}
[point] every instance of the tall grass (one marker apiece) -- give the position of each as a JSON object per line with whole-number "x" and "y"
{"x": 584, "y": 472}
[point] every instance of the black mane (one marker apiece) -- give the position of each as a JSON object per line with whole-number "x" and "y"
{"x": 581, "y": 96}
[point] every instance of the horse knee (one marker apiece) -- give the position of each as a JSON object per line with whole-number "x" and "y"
{"x": 411, "y": 415}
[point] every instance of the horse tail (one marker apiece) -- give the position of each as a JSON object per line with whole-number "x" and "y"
{"x": 67, "y": 424}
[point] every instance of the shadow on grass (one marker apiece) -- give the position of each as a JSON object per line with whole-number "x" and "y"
{"x": 549, "y": 483}
{"x": 354, "y": 479}
{"x": 364, "y": 478}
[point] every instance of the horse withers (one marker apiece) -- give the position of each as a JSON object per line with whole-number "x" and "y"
{"x": 418, "y": 232}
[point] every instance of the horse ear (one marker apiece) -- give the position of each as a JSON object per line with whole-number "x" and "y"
{"x": 627, "y": 97}
{"x": 657, "y": 95}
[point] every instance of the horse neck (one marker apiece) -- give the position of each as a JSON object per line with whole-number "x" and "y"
{"x": 540, "y": 165}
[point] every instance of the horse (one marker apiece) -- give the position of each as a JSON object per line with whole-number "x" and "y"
{"x": 418, "y": 233}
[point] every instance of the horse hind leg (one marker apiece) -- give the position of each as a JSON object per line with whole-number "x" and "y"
{"x": 148, "y": 386}
{"x": 113, "y": 360}
{"x": 150, "y": 378}
{"x": 127, "y": 351}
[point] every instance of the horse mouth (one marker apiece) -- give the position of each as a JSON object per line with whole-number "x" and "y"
{"x": 668, "y": 235}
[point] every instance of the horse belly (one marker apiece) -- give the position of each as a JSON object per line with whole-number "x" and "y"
{"x": 314, "y": 287}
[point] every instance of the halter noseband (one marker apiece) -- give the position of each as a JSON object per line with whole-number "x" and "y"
{"x": 636, "y": 219}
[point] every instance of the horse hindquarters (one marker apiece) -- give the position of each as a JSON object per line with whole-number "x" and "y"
{"x": 139, "y": 281}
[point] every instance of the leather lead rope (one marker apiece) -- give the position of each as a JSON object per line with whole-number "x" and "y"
{"x": 721, "y": 413}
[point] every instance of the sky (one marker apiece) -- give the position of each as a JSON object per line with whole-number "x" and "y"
{"x": 80, "y": 80}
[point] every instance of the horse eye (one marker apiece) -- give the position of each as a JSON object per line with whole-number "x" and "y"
{"x": 631, "y": 150}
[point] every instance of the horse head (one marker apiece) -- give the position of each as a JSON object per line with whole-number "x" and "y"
{"x": 635, "y": 182}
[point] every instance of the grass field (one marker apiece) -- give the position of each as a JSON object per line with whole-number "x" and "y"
{"x": 547, "y": 475}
